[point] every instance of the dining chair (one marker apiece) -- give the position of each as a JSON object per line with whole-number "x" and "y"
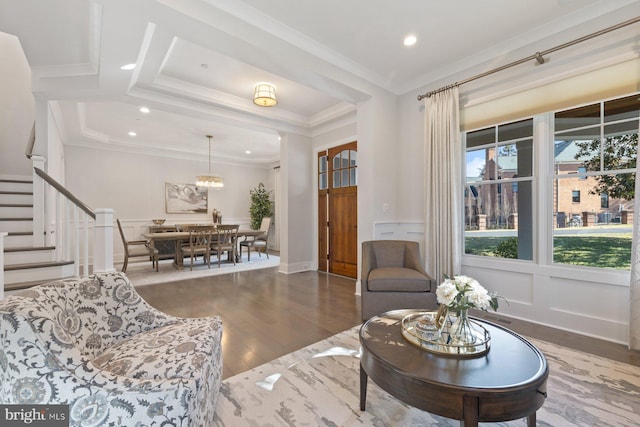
{"x": 258, "y": 241}
{"x": 137, "y": 248}
{"x": 199, "y": 244}
{"x": 227, "y": 237}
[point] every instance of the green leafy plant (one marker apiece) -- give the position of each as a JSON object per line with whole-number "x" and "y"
{"x": 261, "y": 206}
{"x": 508, "y": 248}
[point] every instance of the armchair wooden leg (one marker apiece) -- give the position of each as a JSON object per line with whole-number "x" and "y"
{"x": 124, "y": 266}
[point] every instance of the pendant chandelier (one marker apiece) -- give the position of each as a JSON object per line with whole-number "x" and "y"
{"x": 209, "y": 180}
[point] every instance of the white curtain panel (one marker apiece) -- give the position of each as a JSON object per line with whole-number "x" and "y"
{"x": 634, "y": 288}
{"x": 443, "y": 186}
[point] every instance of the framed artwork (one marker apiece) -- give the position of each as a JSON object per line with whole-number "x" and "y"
{"x": 185, "y": 198}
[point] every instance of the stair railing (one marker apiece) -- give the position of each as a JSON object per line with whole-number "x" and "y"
{"x": 65, "y": 223}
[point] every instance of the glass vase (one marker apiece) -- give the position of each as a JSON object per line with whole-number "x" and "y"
{"x": 462, "y": 331}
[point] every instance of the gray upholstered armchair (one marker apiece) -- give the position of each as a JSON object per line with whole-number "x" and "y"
{"x": 94, "y": 344}
{"x": 393, "y": 278}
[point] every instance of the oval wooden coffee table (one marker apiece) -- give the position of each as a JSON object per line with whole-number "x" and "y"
{"x": 507, "y": 383}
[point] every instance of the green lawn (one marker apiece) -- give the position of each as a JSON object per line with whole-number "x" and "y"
{"x": 595, "y": 250}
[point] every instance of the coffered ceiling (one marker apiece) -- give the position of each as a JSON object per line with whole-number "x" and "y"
{"x": 196, "y": 61}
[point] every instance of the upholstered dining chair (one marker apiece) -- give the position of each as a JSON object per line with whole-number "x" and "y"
{"x": 137, "y": 248}
{"x": 259, "y": 241}
{"x": 393, "y": 278}
{"x": 226, "y": 241}
{"x": 199, "y": 244}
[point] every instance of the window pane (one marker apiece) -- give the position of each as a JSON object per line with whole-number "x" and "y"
{"x": 353, "y": 180}
{"x": 322, "y": 164}
{"x": 353, "y": 155}
{"x": 620, "y": 145}
{"x": 336, "y": 179}
{"x": 623, "y": 108}
{"x": 336, "y": 161}
{"x": 572, "y": 155}
{"x": 595, "y": 231}
{"x": 515, "y": 130}
{"x": 498, "y": 220}
{"x": 481, "y": 137}
{"x": 476, "y": 163}
{"x": 515, "y": 160}
{"x": 322, "y": 182}
{"x": 577, "y": 117}
{"x": 345, "y": 177}
{"x": 345, "y": 159}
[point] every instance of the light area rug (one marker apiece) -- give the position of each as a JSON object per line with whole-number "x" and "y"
{"x": 320, "y": 386}
{"x": 141, "y": 273}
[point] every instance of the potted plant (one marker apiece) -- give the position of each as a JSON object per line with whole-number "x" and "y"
{"x": 260, "y": 206}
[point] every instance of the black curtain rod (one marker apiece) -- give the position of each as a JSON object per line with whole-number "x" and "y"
{"x": 538, "y": 56}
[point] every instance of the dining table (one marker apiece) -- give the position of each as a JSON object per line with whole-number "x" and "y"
{"x": 179, "y": 237}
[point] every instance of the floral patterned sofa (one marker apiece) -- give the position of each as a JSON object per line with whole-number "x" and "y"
{"x": 95, "y": 344}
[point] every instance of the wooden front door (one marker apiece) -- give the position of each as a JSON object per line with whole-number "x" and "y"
{"x": 338, "y": 210}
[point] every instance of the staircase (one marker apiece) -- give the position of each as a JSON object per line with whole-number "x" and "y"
{"x": 25, "y": 265}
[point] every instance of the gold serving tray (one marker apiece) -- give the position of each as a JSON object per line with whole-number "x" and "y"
{"x": 420, "y": 330}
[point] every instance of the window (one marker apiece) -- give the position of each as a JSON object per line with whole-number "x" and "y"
{"x": 575, "y": 196}
{"x": 498, "y": 191}
{"x": 598, "y": 143}
{"x": 588, "y": 193}
{"x": 323, "y": 182}
{"x": 345, "y": 169}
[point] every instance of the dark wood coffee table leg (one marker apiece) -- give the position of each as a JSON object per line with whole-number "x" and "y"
{"x": 531, "y": 420}
{"x": 363, "y": 389}
{"x": 470, "y": 412}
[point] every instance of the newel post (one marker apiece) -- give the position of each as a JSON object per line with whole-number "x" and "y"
{"x": 103, "y": 241}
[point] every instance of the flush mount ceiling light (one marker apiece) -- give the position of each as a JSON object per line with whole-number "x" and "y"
{"x": 264, "y": 95}
{"x": 410, "y": 40}
{"x": 209, "y": 180}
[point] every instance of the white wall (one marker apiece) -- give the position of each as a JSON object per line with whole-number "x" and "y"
{"x": 134, "y": 186}
{"x": 296, "y": 179}
{"x": 17, "y": 110}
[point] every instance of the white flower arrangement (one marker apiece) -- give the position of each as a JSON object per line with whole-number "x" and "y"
{"x": 462, "y": 293}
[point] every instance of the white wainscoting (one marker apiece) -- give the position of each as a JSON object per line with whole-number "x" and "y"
{"x": 409, "y": 230}
{"x": 586, "y": 301}
{"x": 592, "y": 302}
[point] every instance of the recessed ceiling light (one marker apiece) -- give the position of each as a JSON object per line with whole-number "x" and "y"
{"x": 144, "y": 110}
{"x": 410, "y": 40}
{"x": 132, "y": 133}
{"x": 128, "y": 67}
{"x": 247, "y": 152}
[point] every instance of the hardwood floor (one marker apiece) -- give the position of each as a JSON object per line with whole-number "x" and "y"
{"x": 267, "y": 314}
